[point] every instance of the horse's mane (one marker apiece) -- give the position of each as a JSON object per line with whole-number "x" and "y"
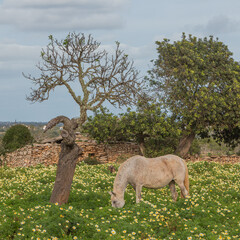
{"x": 121, "y": 172}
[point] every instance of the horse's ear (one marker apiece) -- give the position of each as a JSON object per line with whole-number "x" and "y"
{"x": 112, "y": 193}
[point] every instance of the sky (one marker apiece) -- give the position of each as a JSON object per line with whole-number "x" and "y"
{"x": 26, "y": 24}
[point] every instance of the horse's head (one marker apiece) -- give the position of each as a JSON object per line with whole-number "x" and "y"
{"x": 117, "y": 202}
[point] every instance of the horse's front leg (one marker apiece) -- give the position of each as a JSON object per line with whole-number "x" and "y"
{"x": 138, "y": 193}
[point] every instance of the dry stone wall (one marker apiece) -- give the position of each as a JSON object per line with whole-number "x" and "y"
{"x": 32, "y": 155}
{"x": 47, "y": 154}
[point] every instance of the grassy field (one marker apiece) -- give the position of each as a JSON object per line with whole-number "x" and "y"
{"x": 212, "y": 212}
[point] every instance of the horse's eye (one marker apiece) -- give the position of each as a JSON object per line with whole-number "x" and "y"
{"x": 114, "y": 202}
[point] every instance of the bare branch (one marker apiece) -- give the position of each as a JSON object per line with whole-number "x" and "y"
{"x": 101, "y": 77}
{"x": 68, "y": 124}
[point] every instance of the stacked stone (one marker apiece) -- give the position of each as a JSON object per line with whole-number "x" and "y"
{"x": 48, "y": 153}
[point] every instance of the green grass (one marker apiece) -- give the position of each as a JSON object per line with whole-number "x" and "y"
{"x": 212, "y": 212}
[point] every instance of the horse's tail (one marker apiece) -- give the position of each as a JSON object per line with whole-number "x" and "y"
{"x": 186, "y": 180}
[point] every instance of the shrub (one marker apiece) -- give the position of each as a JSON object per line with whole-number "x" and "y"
{"x": 1, "y": 147}
{"x": 91, "y": 161}
{"x": 160, "y": 146}
{"x": 16, "y": 137}
{"x": 238, "y": 153}
{"x": 195, "y": 148}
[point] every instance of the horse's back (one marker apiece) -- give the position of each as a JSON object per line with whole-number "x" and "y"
{"x": 158, "y": 170}
{"x": 175, "y": 164}
{"x": 169, "y": 157}
{"x": 136, "y": 161}
{"x": 152, "y": 172}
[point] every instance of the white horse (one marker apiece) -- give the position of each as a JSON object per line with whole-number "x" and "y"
{"x": 150, "y": 173}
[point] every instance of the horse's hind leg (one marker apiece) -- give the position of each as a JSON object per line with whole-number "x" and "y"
{"x": 182, "y": 195}
{"x": 138, "y": 190}
{"x": 173, "y": 190}
{"x": 184, "y": 192}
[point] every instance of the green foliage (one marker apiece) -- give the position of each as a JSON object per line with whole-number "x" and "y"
{"x": 147, "y": 122}
{"x": 212, "y": 212}
{"x": 229, "y": 134}
{"x": 2, "y": 153}
{"x": 238, "y": 153}
{"x": 152, "y": 128}
{"x": 1, "y": 146}
{"x": 159, "y": 147}
{"x": 16, "y": 137}
{"x": 195, "y": 148}
{"x": 198, "y": 81}
{"x": 209, "y": 145}
{"x": 91, "y": 161}
{"x": 148, "y": 127}
{"x": 103, "y": 127}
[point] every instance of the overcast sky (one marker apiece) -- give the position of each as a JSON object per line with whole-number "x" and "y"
{"x": 26, "y": 24}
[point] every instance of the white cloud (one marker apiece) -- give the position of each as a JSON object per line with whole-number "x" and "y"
{"x": 17, "y": 58}
{"x": 59, "y": 3}
{"x": 9, "y": 52}
{"x": 134, "y": 52}
{"x": 218, "y": 25}
{"x": 42, "y": 15}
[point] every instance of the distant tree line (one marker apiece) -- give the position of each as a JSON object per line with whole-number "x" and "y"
{"x": 8, "y": 124}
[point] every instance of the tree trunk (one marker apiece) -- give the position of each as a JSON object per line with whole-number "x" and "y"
{"x": 65, "y": 172}
{"x": 83, "y": 116}
{"x": 184, "y": 145}
{"x": 68, "y": 157}
{"x": 142, "y": 148}
{"x": 82, "y": 119}
{"x": 141, "y": 143}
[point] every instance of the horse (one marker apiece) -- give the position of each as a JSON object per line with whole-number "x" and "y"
{"x": 158, "y": 172}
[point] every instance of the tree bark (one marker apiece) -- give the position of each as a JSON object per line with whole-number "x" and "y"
{"x": 65, "y": 172}
{"x": 142, "y": 148}
{"x": 68, "y": 157}
{"x": 185, "y": 144}
{"x": 83, "y": 116}
{"x": 141, "y": 143}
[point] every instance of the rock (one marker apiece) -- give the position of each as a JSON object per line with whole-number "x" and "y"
{"x": 48, "y": 153}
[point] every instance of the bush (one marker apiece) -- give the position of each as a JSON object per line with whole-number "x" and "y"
{"x": 91, "y": 161}
{"x": 155, "y": 147}
{"x": 16, "y": 137}
{"x": 1, "y": 147}
{"x": 195, "y": 148}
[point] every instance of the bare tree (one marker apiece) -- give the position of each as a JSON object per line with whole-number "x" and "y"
{"x": 101, "y": 77}
{"x": 68, "y": 157}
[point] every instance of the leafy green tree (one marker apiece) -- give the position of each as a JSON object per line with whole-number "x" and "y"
{"x": 98, "y": 76}
{"x": 198, "y": 81}
{"x": 16, "y": 137}
{"x": 153, "y": 130}
{"x": 104, "y": 127}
